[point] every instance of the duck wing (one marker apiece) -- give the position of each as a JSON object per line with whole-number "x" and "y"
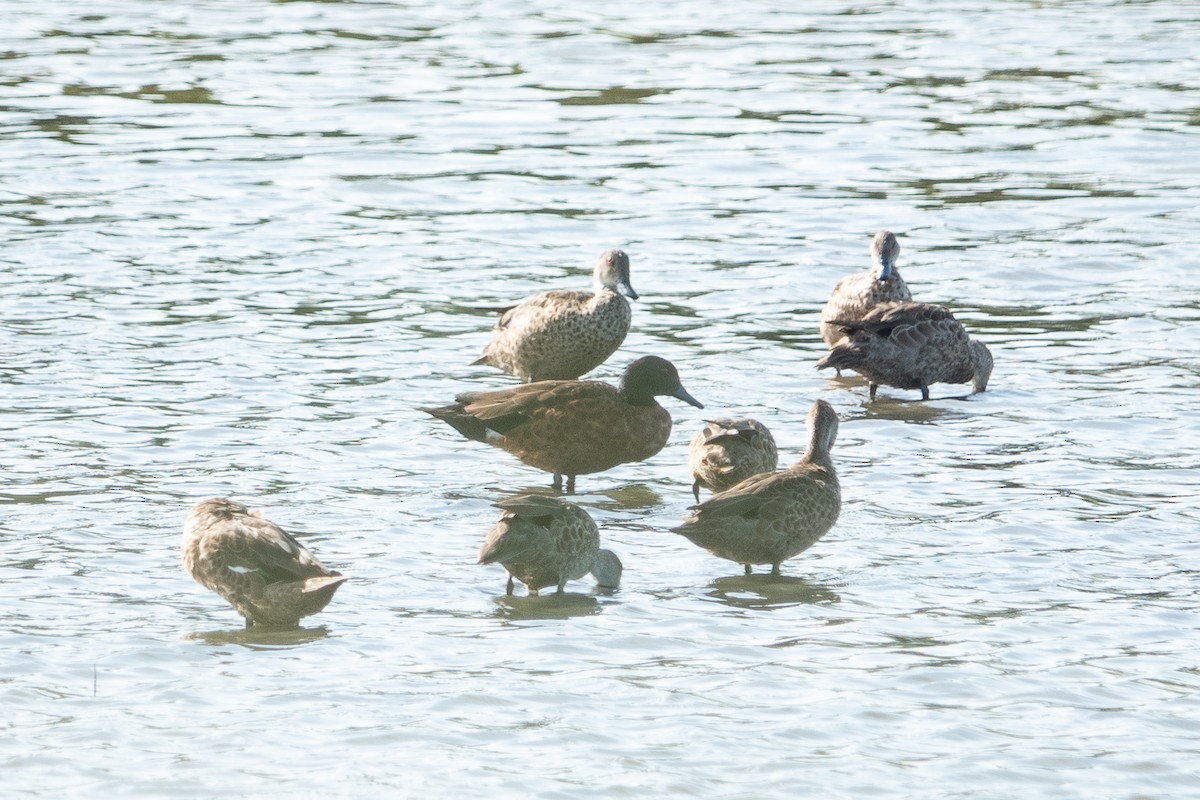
{"x": 534, "y": 506}
{"x": 543, "y": 305}
{"x": 751, "y": 499}
{"x": 891, "y": 318}
{"x": 510, "y": 408}
{"x": 524, "y": 530}
{"x": 254, "y": 544}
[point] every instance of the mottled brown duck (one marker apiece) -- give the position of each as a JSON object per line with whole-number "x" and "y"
{"x": 727, "y": 451}
{"x": 770, "y": 517}
{"x": 265, "y": 574}
{"x": 910, "y": 346}
{"x": 545, "y": 541}
{"x": 560, "y": 335}
{"x": 855, "y": 295}
{"x": 573, "y": 427}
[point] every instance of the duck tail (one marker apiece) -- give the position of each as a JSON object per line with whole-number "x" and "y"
{"x": 324, "y": 584}
{"x": 456, "y": 417}
{"x": 844, "y": 355}
{"x": 846, "y": 326}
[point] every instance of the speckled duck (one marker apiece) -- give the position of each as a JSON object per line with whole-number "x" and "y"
{"x": 910, "y": 346}
{"x": 560, "y": 335}
{"x": 544, "y": 541}
{"x": 773, "y": 516}
{"x": 727, "y": 451}
{"x": 855, "y": 295}
{"x": 264, "y": 573}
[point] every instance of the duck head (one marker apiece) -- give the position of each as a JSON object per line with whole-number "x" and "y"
{"x": 884, "y": 252}
{"x": 650, "y": 377}
{"x": 612, "y": 273}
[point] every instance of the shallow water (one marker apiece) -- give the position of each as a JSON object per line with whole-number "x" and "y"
{"x": 244, "y": 241}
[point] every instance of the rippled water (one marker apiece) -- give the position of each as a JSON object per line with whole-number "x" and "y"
{"x": 243, "y": 241}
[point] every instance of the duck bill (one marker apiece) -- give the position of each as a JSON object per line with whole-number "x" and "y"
{"x": 682, "y": 394}
{"x": 885, "y": 269}
{"x": 624, "y": 288}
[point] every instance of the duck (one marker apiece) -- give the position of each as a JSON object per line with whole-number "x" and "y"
{"x": 546, "y": 541}
{"x": 261, "y": 570}
{"x": 727, "y": 451}
{"x": 910, "y": 346}
{"x": 857, "y": 294}
{"x": 773, "y": 516}
{"x": 560, "y": 334}
{"x": 573, "y": 427}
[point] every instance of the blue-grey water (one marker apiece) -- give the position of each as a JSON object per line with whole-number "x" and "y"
{"x": 241, "y": 242}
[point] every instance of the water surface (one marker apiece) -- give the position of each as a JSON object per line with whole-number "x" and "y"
{"x": 244, "y": 241}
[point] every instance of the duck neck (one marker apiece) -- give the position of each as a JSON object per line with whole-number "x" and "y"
{"x": 817, "y": 451}
{"x": 635, "y": 395}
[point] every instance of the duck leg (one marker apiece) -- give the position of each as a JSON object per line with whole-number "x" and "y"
{"x": 874, "y": 388}
{"x": 556, "y": 484}
{"x": 775, "y": 568}
{"x": 924, "y": 392}
{"x": 510, "y": 585}
{"x": 748, "y": 570}
{"x": 696, "y": 490}
{"x": 570, "y": 484}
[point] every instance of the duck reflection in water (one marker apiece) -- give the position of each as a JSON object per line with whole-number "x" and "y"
{"x": 261, "y": 637}
{"x": 769, "y": 591}
{"x": 518, "y": 608}
{"x": 619, "y": 497}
